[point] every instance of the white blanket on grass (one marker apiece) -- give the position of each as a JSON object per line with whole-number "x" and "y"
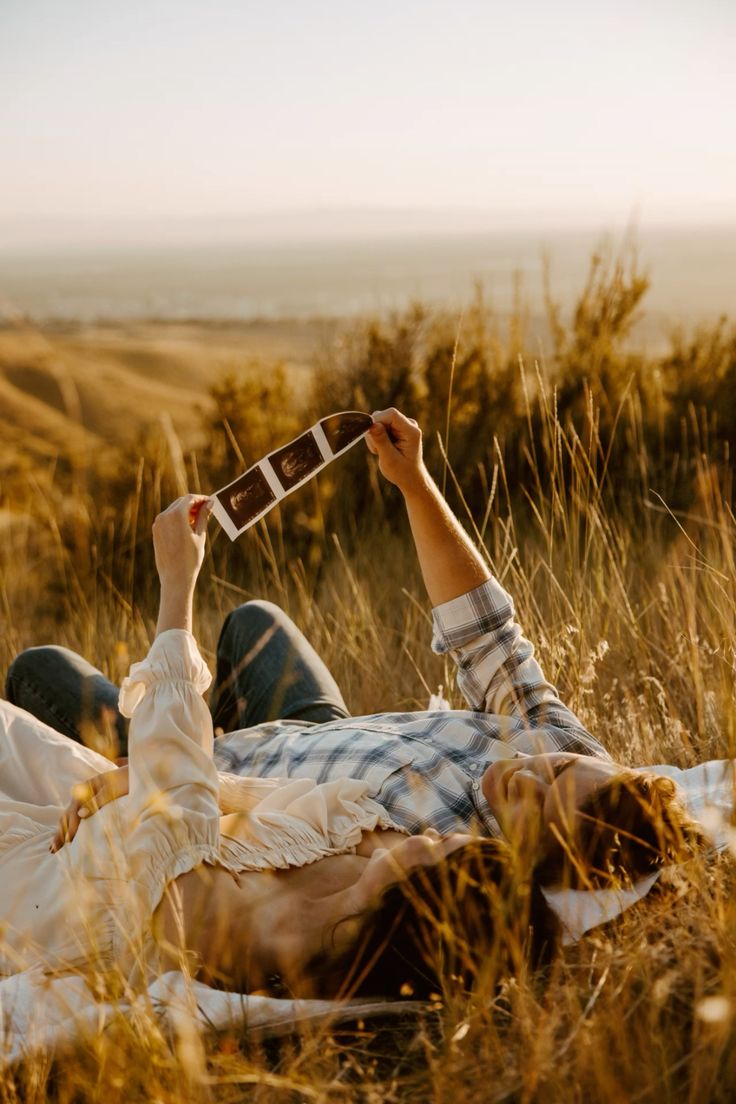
{"x": 40, "y": 1014}
{"x": 709, "y": 792}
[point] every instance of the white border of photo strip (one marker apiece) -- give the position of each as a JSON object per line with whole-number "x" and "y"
{"x": 272, "y": 479}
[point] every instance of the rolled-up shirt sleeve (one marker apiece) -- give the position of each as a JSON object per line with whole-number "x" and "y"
{"x": 497, "y": 671}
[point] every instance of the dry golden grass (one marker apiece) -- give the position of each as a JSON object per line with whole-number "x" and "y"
{"x": 631, "y": 605}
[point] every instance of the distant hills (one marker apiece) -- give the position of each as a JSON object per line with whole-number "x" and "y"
{"x": 79, "y": 391}
{"x": 289, "y": 266}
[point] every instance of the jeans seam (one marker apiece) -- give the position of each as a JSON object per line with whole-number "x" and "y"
{"x": 30, "y": 688}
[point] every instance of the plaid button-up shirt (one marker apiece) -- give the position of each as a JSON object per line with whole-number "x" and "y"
{"x": 425, "y": 767}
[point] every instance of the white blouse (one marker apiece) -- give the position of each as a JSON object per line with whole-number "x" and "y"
{"x": 91, "y": 903}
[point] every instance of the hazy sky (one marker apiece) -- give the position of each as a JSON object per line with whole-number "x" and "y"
{"x": 570, "y": 111}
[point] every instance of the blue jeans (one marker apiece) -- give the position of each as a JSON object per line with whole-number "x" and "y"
{"x": 266, "y": 670}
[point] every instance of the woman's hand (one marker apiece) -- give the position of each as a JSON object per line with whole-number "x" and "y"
{"x": 178, "y": 543}
{"x": 397, "y": 442}
{"x": 87, "y": 798}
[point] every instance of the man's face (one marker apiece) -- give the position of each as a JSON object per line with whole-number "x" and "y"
{"x": 535, "y": 797}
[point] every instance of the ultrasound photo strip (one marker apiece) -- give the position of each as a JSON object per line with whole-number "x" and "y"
{"x": 241, "y": 503}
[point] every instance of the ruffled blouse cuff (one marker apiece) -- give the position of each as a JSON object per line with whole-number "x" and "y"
{"x": 173, "y": 657}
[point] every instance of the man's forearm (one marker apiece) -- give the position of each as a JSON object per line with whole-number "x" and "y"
{"x": 450, "y": 563}
{"x": 451, "y": 566}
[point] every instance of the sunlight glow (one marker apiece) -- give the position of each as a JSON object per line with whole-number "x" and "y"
{"x": 529, "y": 113}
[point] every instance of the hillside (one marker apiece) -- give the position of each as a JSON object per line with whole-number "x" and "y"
{"x": 77, "y": 389}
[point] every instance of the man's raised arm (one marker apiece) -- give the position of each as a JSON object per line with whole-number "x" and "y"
{"x": 497, "y": 671}
{"x": 450, "y": 564}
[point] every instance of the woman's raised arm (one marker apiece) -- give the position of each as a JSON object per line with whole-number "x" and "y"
{"x": 178, "y": 544}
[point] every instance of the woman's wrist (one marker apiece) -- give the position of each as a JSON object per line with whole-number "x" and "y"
{"x": 175, "y": 607}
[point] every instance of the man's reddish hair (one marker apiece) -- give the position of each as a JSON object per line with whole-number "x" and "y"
{"x": 627, "y": 828}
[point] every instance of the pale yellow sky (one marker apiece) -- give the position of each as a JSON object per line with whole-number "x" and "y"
{"x": 530, "y": 112}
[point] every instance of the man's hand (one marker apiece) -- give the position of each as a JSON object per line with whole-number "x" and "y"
{"x": 87, "y": 798}
{"x": 397, "y": 442}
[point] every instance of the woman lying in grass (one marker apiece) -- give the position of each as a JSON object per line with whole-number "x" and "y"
{"x": 244, "y": 881}
{"x": 517, "y": 762}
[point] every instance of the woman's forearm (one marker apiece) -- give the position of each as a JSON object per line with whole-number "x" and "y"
{"x": 175, "y": 608}
{"x": 178, "y": 543}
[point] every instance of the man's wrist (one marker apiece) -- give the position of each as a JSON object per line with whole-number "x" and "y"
{"x": 418, "y": 486}
{"x": 421, "y": 487}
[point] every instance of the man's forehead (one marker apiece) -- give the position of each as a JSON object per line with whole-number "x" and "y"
{"x": 588, "y": 767}
{"x": 576, "y": 781}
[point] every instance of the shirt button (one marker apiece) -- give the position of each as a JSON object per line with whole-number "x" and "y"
{"x": 476, "y": 785}
{"x": 473, "y": 766}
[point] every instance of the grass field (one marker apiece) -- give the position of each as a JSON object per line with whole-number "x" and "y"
{"x": 601, "y": 494}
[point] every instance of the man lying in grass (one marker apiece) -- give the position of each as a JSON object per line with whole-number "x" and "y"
{"x": 248, "y": 883}
{"x": 518, "y": 763}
